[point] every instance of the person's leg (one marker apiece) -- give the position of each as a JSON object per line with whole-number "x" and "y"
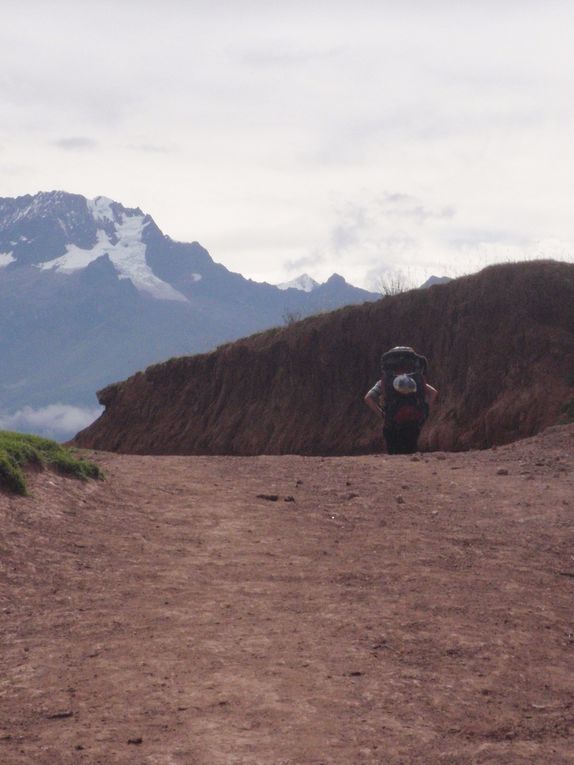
{"x": 390, "y": 440}
{"x": 407, "y": 440}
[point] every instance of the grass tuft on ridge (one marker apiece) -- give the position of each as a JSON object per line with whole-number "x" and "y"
{"x": 19, "y": 450}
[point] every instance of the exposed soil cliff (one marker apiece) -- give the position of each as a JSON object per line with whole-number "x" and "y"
{"x": 500, "y": 345}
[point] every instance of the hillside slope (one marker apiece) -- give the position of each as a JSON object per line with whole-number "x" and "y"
{"x": 500, "y": 345}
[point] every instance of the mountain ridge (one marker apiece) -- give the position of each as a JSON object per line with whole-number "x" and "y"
{"x": 81, "y": 219}
{"x": 93, "y": 291}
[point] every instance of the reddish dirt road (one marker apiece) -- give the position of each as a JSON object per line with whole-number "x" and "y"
{"x": 398, "y": 610}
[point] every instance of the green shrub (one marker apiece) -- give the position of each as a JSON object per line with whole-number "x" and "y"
{"x": 18, "y": 451}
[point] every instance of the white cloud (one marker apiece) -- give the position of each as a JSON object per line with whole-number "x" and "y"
{"x": 397, "y": 232}
{"x": 53, "y": 421}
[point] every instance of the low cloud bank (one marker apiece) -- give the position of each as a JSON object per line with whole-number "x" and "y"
{"x": 57, "y": 421}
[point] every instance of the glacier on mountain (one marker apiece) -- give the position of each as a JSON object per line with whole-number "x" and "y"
{"x": 101, "y": 208}
{"x": 127, "y": 254}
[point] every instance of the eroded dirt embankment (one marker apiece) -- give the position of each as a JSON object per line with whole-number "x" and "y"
{"x": 380, "y": 611}
{"x": 500, "y": 345}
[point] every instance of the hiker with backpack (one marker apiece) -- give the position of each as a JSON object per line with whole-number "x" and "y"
{"x": 402, "y": 397}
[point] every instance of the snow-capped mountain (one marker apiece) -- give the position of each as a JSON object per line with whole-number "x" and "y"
{"x": 120, "y": 236}
{"x": 92, "y": 291}
{"x": 39, "y": 227}
{"x": 304, "y": 283}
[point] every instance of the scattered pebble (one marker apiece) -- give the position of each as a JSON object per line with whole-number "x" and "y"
{"x": 502, "y": 471}
{"x": 400, "y": 500}
{"x": 137, "y": 740}
{"x": 289, "y": 499}
{"x": 62, "y": 714}
{"x": 268, "y": 497}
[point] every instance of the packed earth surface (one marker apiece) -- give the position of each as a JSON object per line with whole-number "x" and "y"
{"x": 291, "y": 610}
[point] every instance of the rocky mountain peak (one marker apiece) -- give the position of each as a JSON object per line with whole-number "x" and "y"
{"x": 38, "y": 228}
{"x": 432, "y": 280}
{"x": 66, "y": 232}
{"x": 304, "y": 283}
{"x": 336, "y": 279}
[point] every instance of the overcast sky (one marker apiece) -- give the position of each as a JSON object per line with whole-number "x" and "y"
{"x": 356, "y": 137}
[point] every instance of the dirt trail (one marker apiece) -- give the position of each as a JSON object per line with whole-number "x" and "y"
{"x": 397, "y": 610}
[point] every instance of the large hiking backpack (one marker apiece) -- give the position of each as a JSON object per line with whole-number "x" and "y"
{"x": 402, "y": 410}
{"x": 403, "y": 357}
